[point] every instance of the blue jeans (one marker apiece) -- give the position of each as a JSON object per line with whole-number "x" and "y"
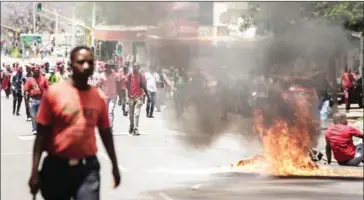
{"x": 111, "y": 102}
{"x": 34, "y": 106}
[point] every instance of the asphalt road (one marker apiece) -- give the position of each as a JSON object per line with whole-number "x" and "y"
{"x": 156, "y": 166}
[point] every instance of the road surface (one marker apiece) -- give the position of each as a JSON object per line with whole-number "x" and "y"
{"x": 155, "y": 166}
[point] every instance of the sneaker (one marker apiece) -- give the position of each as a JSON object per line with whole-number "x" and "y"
{"x": 34, "y": 132}
{"x": 131, "y": 130}
{"x": 29, "y": 119}
{"x": 136, "y": 132}
{"x": 17, "y": 114}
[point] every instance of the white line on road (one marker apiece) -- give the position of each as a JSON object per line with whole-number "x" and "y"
{"x": 104, "y": 156}
{"x": 15, "y": 153}
{"x": 165, "y": 196}
{"x": 26, "y": 137}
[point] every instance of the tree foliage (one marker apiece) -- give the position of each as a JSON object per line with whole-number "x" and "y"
{"x": 20, "y": 16}
{"x": 123, "y": 13}
{"x": 280, "y": 15}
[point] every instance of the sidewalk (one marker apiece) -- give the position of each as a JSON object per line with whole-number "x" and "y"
{"x": 354, "y": 113}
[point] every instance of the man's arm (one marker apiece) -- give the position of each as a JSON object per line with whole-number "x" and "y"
{"x": 328, "y": 152}
{"x": 144, "y": 83}
{"x": 44, "y": 129}
{"x": 356, "y": 132}
{"x": 106, "y": 134}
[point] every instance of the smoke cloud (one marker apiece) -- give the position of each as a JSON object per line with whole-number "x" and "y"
{"x": 296, "y": 49}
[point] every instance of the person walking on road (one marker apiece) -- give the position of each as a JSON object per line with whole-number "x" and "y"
{"x": 108, "y": 82}
{"x": 136, "y": 85}
{"x": 123, "y": 91}
{"x": 68, "y": 114}
{"x": 28, "y": 74}
{"x": 34, "y": 89}
{"x": 348, "y": 84}
{"x": 6, "y": 79}
{"x": 151, "y": 78}
{"x": 17, "y": 80}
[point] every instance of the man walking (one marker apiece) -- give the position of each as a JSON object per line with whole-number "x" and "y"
{"x": 17, "y": 81}
{"x": 68, "y": 114}
{"x": 108, "y": 82}
{"x": 123, "y": 91}
{"x": 136, "y": 85}
{"x": 348, "y": 84}
{"x": 34, "y": 89}
{"x": 151, "y": 78}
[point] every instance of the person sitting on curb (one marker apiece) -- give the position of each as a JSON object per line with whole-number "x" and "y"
{"x": 339, "y": 139}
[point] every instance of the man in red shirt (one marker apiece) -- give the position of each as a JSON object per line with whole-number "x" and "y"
{"x": 124, "y": 71}
{"x": 348, "y": 84}
{"x": 339, "y": 140}
{"x": 136, "y": 86}
{"x": 34, "y": 89}
{"x": 68, "y": 114}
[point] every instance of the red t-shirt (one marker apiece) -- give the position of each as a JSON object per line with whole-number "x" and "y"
{"x": 73, "y": 115}
{"x": 348, "y": 79}
{"x": 340, "y": 138}
{"x": 135, "y": 89}
{"x": 36, "y": 87}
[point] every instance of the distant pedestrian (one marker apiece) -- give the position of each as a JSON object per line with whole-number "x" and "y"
{"x": 6, "y": 81}
{"x": 151, "y": 77}
{"x": 136, "y": 85}
{"x": 34, "y": 89}
{"x": 68, "y": 115}
{"x": 348, "y": 84}
{"x": 17, "y": 81}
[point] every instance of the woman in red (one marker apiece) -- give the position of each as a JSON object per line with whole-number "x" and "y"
{"x": 6, "y": 81}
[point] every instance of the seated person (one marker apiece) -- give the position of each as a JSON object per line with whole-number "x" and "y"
{"x": 339, "y": 139}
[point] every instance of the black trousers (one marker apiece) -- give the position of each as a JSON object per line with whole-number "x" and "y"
{"x": 27, "y": 109}
{"x": 60, "y": 181}
{"x": 7, "y": 92}
{"x": 17, "y": 100}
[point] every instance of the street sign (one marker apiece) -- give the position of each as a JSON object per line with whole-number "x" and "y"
{"x": 28, "y": 39}
{"x": 119, "y": 49}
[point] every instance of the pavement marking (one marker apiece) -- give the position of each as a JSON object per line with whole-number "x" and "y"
{"x": 16, "y": 153}
{"x": 106, "y": 157}
{"x": 165, "y": 196}
{"x": 26, "y": 137}
{"x": 127, "y": 133}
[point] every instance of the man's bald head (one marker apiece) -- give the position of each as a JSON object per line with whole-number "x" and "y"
{"x": 340, "y": 118}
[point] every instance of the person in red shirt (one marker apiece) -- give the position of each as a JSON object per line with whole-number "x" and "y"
{"x": 339, "y": 140}
{"x": 348, "y": 84}
{"x": 68, "y": 114}
{"x": 124, "y": 71}
{"x": 136, "y": 86}
{"x": 6, "y": 81}
{"x": 34, "y": 89}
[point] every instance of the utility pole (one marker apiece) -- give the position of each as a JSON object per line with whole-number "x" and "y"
{"x": 34, "y": 18}
{"x": 56, "y": 32}
{"x": 93, "y": 24}
{"x": 73, "y": 26}
{"x": 362, "y": 65}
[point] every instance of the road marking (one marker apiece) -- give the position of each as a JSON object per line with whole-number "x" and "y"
{"x": 127, "y": 133}
{"x": 165, "y": 196}
{"x": 16, "y": 153}
{"x": 106, "y": 157}
{"x": 26, "y": 137}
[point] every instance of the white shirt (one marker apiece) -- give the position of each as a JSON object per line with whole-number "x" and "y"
{"x": 151, "y": 81}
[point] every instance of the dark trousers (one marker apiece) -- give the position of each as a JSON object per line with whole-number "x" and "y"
{"x": 7, "y": 92}
{"x": 60, "y": 181}
{"x": 27, "y": 109}
{"x": 347, "y": 95}
{"x": 151, "y": 104}
{"x": 17, "y": 100}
